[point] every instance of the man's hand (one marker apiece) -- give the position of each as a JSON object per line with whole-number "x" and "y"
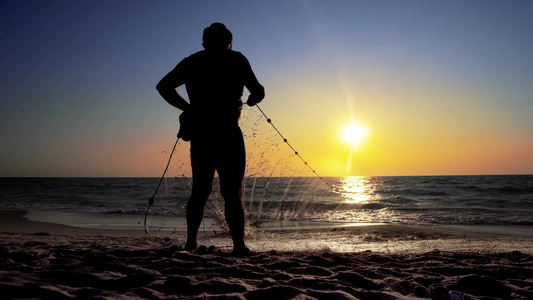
{"x": 251, "y": 101}
{"x": 185, "y": 131}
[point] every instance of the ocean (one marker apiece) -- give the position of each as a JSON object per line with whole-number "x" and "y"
{"x": 500, "y": 205}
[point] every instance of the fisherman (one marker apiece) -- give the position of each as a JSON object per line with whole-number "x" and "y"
{"x": 214, "y": 79}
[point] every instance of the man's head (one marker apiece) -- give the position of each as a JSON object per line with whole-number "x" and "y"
{"x": 217, "y": 36}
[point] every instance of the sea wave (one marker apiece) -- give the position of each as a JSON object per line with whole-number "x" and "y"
{"x": 452, "y": 200}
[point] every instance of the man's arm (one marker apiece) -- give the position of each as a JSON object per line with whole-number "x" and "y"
{"x": 167, "y": 89}
{"x": 256, "y": 95}
{"x": 257, "y": 91}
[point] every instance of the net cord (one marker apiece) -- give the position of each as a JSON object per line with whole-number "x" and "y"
{"x": 292, "y": 148}
{"x": 152, "y": 199}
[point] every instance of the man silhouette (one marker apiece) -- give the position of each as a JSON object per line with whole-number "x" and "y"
{"x": 214, "y": 79}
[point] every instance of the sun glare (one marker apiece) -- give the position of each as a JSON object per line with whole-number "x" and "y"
{"x": 354, "y": 134}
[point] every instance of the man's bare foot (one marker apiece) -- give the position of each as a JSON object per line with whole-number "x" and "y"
{"x": 191, "y": 247}
{"x": 244, "y": 252}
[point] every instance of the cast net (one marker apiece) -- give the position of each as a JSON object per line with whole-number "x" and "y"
{"x": 280, "y": 189}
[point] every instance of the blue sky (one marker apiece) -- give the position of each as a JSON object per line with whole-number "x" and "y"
{"x": 450, "y": 79}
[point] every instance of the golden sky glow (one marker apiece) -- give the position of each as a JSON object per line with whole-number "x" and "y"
{"x": 442, "y": 87}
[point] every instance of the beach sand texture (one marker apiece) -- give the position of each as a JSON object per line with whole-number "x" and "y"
{"x": 48, "y": 261}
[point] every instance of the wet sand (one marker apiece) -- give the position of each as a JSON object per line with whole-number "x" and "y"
{"x": 50, "y": 261}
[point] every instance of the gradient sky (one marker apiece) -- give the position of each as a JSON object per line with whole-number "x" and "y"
{"x": 444, "y": 87}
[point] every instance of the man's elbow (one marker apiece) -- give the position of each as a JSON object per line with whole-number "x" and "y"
{"x": 164, "y": 89}
{"x": 160, "y": 87}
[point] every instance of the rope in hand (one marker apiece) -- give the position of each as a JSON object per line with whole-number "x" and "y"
{"x": 152, "y": 199}
{"x": 294, "y": 150}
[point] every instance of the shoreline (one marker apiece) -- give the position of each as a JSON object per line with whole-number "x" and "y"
{"x": 391, "y": 238}
{"x": 178, "y": 224}
{"x": 52, "y": 261}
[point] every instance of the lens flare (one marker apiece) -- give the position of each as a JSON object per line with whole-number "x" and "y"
{"x": 354, "y": 134}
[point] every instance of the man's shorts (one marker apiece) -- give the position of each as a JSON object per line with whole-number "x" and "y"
{"x": 221, "y": 149}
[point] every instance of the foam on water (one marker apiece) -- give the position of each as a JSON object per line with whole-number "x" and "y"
{"x": 502, "y": 204}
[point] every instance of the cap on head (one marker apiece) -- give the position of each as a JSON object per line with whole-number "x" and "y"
{"x": 217, "y": 36}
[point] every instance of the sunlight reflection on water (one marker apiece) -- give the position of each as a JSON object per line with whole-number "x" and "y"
{"x": 357, "y": 189}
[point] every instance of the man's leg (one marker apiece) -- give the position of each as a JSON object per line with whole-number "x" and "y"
{"x": 230, "y": 167}
{"x": 202, "y": 183}
{"x": 231, "y": 190}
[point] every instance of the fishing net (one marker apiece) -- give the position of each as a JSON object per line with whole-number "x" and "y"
{"x": 279, "y": 188}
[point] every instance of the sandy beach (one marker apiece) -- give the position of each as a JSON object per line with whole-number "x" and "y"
{"x": 50, "y": 261}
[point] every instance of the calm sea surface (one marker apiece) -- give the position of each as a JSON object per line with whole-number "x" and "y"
{"x": 493, "y": 204}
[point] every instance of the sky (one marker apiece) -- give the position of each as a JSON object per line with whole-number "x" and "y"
{"x": 442, "y": 87}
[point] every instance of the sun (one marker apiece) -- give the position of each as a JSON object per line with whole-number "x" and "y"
{"x": 354, "y": 134}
